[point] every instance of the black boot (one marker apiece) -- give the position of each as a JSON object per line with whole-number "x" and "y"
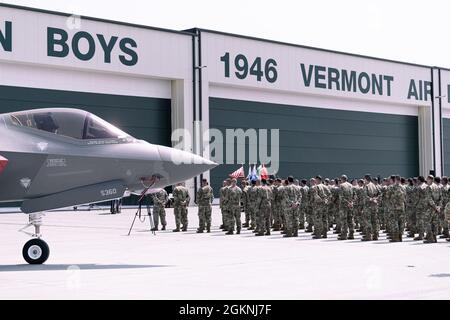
{"x": 229, "y": 233}
{"x": 200, "y": 231}
{"x": 163, "y": 228}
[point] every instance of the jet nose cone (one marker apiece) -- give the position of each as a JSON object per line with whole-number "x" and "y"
{"x": 181, "y": 165}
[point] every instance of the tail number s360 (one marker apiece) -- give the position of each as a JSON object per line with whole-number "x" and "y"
{"x": 108, "y": 192}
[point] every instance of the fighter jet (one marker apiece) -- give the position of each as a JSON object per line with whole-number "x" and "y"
{"x": 57, "y": 158}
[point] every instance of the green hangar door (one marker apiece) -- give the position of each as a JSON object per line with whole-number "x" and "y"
{"x": 323, "y": 141}
{"x": 446, "y": 145}
{"x": 144, "y": 118}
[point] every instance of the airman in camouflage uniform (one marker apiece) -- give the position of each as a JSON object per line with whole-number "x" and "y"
{"x": 298, "y": 194}
{"x": 264, "y": 210}
{"x": 234, "y": 195}
{"x": 384, "y": 206}
{"x": 320, "y": 201}
{"x": 346, "y": 204}
{"x": 434, "y": 205}
{"x": 290, "y": 204}
{"x": 303, "y": 205}
{"x": 222, "y": 203}
{"x": 252, "y": 195}
{"x": 371, "y": 195}
{"x": 277, "y": 209}
{"x": 412, "y": 200}
{"x": 181, "y": 200}
{"x": 330, "y": 205}
{"x": 445, "y": 203}
{"x": 421, "y": 208}
{"x": 359, "y": 205}
{"x": 205, "y": 197}
{"x": 309, "y": 207}
{"x": 159, "y": 209}
{"x": 397, "y": 200}
{"x": 333, "y": 213}
{"x": 245, "y": 189}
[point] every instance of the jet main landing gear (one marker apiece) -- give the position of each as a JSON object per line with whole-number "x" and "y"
{"x": 35, "y": 251}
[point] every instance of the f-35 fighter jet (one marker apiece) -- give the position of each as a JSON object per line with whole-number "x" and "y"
{"x": 57, "y": 158}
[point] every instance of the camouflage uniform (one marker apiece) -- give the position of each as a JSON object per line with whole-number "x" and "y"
{"x": 319, "y": 204}
{"x": 309, "y": 210}
{"x": 296, "y": 222}
{"x": 333, "y": 213}
{"x": 181, "y": 202}
{"x": 289, "y": 203}
{"x": 358, "y": 207}
{"x": 222, "y": 202}
{"x": 446, "y": 212}
{"x": 346, "y": 204}
{"x": 263, "y": 215}
{"x": 234, "y": 195}
{"x": 303, "y": 206}
{"x": 383, "y": 210}
{"x": 434, "y": 201}
{"x": 421, "y": 209}
{"x": 245, "y": 203}
{"x": 411, "y": 203}
{"x": 371, "y": 195}
{"x": 276, "y": 207}
{"x": 159, "y": 204}
{"x": 252, "y": 205}
{"x": 330, "y": 206}
{"x": 205, "y": 197}
{"x": 443, "y": 223}
{"x": 397, "y": 200}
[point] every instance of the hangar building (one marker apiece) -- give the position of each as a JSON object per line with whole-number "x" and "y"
{"x": 336, "y": 112}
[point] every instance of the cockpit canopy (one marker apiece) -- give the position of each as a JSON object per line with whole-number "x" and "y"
{"x": 72, "y": 123}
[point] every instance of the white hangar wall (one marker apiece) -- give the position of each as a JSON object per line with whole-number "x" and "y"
{"x": 337, "y": 113}
{"x": 136, "y": 77}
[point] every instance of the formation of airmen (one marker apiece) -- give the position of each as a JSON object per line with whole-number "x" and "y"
{"x": 419, "y": 206}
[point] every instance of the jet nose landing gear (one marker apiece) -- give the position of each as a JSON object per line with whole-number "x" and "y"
{"x": 35, "y": 251}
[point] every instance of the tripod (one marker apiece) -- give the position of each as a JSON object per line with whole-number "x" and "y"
{"x": 138, "y": 213}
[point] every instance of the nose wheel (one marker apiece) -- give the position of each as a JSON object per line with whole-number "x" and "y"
{"x": 35, "y": 251}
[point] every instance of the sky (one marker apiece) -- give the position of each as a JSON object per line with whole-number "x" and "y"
{"x": 411, "y": 31}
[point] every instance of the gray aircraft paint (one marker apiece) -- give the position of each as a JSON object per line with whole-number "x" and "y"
{"x": 87, "y": 163}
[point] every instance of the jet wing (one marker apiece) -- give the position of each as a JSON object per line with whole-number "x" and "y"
{"x": 83, "y": 195}
{"x": 3, "y": 163}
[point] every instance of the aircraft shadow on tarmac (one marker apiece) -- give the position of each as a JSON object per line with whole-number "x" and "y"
{"x": 62, "y": 267}
{"x": 440, "y": 275}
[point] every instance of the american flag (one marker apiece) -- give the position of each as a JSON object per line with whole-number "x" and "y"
{"x": 238, "y": 174}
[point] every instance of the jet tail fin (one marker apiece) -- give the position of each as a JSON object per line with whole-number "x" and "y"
{"x": 83, "y": 195}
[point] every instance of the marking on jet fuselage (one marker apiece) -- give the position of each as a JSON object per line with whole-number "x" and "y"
{"x": 71, "y": 173}
{"x": 52, "y": 163}
{"x": 42, "y": 146}
{"x": 25, "y": 182}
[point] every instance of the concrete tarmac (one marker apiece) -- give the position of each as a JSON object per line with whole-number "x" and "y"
{"x": 93, "y": 258}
